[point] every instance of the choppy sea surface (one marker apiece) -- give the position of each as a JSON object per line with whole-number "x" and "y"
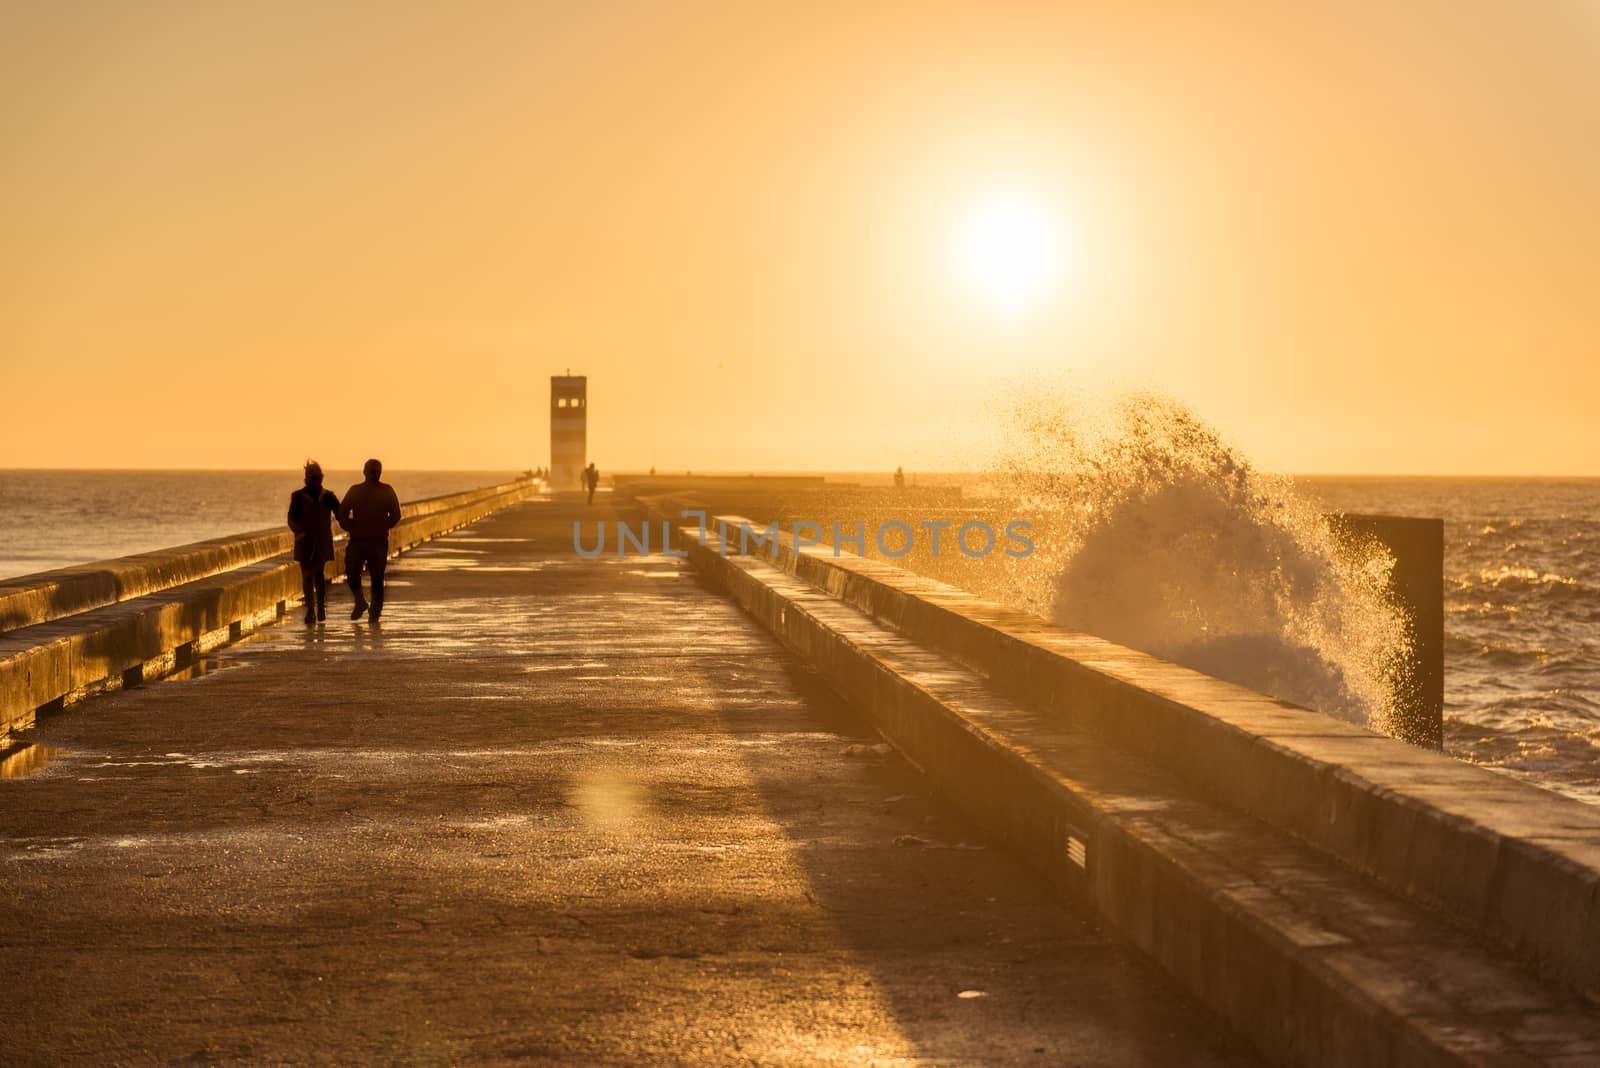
{"x": 1522, "y": 604}
{"x": 1522, "y": 579}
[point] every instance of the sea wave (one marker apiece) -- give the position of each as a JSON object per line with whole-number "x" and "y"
{"x": 1507, "y": 576}
{"x": 1162, "y": 537}
{"x": 1537, "y": 747}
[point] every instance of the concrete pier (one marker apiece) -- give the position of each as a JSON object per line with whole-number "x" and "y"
{"x": 783, "y": 807}
{"x": 551, "y": 809}
{"x": 68, "y": 633}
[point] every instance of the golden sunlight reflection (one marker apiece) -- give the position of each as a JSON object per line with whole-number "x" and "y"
{"x": 20, "y": 763}
{"x": 610, "y": 801}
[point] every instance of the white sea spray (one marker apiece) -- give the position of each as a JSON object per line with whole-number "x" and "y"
{"x": 1155, "y": 533}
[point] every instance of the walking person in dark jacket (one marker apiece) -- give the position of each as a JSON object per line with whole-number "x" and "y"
{"x": 369, "y": 510}
{"x": 311, "y": 511}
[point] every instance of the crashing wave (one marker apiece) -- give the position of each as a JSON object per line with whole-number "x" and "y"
{"x": 1156, "y": 534}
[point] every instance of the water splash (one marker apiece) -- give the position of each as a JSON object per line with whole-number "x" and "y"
{"x": 1155, "y": 533}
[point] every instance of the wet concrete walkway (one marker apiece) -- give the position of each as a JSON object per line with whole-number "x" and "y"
{"x": 551, "y": 809}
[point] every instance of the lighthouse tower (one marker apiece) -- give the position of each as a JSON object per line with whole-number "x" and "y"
{"x": 569, "y": 412}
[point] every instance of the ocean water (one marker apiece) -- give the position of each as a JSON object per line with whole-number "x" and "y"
{"x": 1167, "y": 538}
{"x": 1522, "y": 604}
{"x": 1247, "y": 587}
{"x": 51, "y": 519}
{"x": 1522, "y": 576}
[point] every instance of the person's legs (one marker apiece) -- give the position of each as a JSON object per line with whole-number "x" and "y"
{"x": 320, "y": 584}
{"x": 308, "y": 572}
{"x": 353, "y": 555}
{"x": 376, "y": 563}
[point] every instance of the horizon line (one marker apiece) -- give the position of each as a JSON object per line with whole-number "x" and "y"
{"x": 644, "y": 472}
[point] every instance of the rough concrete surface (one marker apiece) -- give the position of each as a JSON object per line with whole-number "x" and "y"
{"x": 1318, "y": 965}
{"x": 1503, "y": 859}
{"x": 550, "y": 809}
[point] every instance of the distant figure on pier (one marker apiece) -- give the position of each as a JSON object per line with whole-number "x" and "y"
{"x": 369, "y": 510}
{"x": 591, "y": 479}
{"x": 311, "y": 512}
{"x": 899, "y": 478}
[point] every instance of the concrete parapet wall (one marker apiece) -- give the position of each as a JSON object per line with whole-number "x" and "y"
{"x": 1416, "y": 585}
{"x": 635, "y": 484}
{"x": 39, "y": 598}
{"x": 43, "y": 664}
{"x": 1504, "y": 860}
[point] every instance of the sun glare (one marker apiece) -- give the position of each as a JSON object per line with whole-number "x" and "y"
{"x": 1009, "y": 251}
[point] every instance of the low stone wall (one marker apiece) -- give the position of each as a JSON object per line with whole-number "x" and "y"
{"x": 1312, "y": 961}
{"x": 1416, "y": 584}
{"x": 1502, "y": 859}
{"x": 639, "y": 485}
{"x": 44, "y": 664}
{"x": 39, "y": 598}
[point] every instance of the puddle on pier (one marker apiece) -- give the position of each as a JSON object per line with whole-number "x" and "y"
{"x": 463, "y": 563}
{"x": 20, "y": 763}
{"x": 203, "y": 665}
{"x": 486, "y": 541}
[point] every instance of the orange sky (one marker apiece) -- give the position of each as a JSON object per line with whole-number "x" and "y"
{"x": 1358, "y": 236}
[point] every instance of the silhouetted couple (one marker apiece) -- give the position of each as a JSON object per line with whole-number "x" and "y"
{"x": 369, "y": 509}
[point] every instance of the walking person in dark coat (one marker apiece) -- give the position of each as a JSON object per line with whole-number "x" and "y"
{"x": 369, "y": 510}
{"x": 311, "y": 511}
{"x": 591, "y": 479}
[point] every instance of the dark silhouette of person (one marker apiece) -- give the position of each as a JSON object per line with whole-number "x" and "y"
{"x": 311, "y": 512}
{"x": 591, "y": 479}
{"x": 369, "y": 510}
{"x": 899, "y": 478}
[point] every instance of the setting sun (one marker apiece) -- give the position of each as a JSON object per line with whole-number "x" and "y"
{"x": 1009, "y": 250}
